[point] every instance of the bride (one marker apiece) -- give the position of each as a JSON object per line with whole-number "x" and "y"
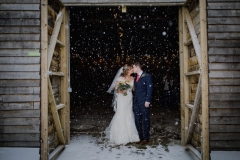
{"x": 122, "y": 129}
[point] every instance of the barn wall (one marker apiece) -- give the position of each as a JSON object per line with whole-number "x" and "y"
{"x": 224, "y": 75}
{"x": 20, "y": 73}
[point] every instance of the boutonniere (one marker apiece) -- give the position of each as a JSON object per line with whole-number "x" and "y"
{"x": 144, "y": 74}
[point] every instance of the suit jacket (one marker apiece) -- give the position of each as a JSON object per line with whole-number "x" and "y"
{"x": 143, "y": 88}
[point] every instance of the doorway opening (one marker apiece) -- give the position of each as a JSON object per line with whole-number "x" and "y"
{"x": 102, "y": 39}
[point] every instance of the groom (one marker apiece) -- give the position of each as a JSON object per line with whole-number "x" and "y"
{"x": 142, "y": 98}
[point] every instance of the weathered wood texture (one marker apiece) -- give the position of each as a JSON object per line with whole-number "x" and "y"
{"x": 57, "y": 53}
{"x": 182, "y": 79}
{"x": 224, "y": 76}
{"x": 44, "y": 83}
{"x": 65, "y": 97}
{"x": 20, "y": 73}
{"x": 194, "y": 61}
{"x": 186, "y": 94}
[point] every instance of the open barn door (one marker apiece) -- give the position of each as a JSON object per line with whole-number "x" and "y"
{"x": 194, "y": 102}
{"x": 56, "y": 116}
{"x": 55, "y": 125}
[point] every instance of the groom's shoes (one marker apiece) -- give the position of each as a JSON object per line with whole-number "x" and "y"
{"x": 144, "y": 142}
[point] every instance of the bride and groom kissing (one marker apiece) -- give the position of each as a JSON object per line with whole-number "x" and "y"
{"x": 132, "y": 97}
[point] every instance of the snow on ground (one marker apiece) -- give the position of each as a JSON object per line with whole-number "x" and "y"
{"x": 7, "y": 153}
{"x": 86, "y": 147}
{"x": 225, "y": 155}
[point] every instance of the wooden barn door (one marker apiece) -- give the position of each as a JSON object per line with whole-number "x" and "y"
{"x": 57, "y": 120}
{"x": 194, "y": 78}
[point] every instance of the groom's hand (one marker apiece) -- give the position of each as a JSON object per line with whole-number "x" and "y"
{"x": 147, "y": 104}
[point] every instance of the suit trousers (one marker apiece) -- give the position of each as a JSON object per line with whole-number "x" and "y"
{"x": 142, "y": 120}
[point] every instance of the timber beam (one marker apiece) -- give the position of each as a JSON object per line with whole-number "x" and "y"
{"x": 196, "y": 106}
{"x": 124, "y": 2}
{"x": 53, "y": 40}
{"x": 44, "y": 81}
{"x": 55, "y": 113}
{"x": 193, "y": 34}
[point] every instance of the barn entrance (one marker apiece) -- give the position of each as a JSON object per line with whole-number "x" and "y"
{"x": 105, "y": 38}
{"x": 190, "y": 98}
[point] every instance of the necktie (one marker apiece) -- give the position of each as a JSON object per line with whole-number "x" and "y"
{"x": 137, "y": 78}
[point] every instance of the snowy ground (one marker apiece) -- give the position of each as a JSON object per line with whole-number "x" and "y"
{"x": 7, "y": 153}
{"x": 225, "y": 155}
{"x": 88, "y": 148}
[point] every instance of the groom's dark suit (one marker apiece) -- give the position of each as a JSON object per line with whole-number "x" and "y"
{"x": 142, "y": 93}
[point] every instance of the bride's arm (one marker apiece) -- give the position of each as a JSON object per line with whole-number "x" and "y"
{"x": 116, "y": 86}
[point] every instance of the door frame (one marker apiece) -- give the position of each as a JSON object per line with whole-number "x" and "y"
{"x": 204, "y": 69}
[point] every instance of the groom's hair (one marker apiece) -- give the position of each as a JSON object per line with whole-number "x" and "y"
{"x": 138, "y": 64}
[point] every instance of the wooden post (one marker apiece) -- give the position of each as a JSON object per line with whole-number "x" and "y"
{"x": 204, "y": 64}
{"x": 63, "y": 65}
{"x": 54, "y": 36}
{"x": 44, "y": 81}
{"x": 67, "y": 49}
{"x": 185, "y": 80}
{"x": 182, "y": 108}
{"x": 64, "y": 80}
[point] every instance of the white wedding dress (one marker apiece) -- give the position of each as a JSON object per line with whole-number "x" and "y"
{"x": 122, "y": 129}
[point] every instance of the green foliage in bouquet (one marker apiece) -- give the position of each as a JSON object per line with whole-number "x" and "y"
{"x": 123, "y": 86}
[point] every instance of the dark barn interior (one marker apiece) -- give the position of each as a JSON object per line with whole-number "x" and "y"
{"x": 105, "y": 38}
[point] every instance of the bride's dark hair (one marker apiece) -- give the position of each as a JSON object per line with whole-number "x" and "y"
{"x": 126, "y": 68}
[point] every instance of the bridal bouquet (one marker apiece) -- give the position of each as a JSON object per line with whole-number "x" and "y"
{"x": 123, "y": 86}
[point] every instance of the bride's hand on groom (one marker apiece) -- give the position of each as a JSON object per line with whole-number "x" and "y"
{"x": 147, "y": 104}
